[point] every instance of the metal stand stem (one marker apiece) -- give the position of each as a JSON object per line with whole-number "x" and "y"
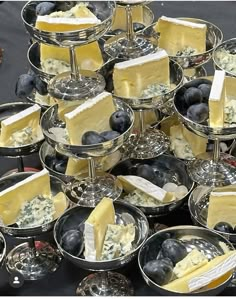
{"x": 216, "y": 151}
{"x": 91, "y": 169}
{"x": 141, "y": 123}
{"x": 74, "y": 66}
{"x": 129, "y": 20}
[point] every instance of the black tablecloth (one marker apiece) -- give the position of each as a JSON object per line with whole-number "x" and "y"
{"x": 14, "y": 41}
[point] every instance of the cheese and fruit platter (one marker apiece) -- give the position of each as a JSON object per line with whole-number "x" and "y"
{"x": 130, "y": 130}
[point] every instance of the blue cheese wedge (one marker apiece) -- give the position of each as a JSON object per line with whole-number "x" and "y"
{"x": 21, "y": 128}
{"x": 118, "y": 241}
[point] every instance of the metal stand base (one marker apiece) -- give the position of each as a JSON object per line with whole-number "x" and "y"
{"x": 33, "y": 265}
{"x": 208, "y": 173}
{"x": 115, "y": 284}
{"x": 89, "y": 193}
{"x": 152, "y": 144}
{"x": 120, "y": 47}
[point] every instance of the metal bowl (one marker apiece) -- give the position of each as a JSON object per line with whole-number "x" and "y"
{"x": 214, "y": 37}
{"x": 104, "y": 11}
{"x": 2, "y": 249}
{"x": 9, "y": 181}
{"x": 233, "y": 149}
{"x": 198, "y": 207}
{"x": 225, "y": 133}
{"x": 168, "y": 169}
{"x": 211, "y": 244}
{"x": 176, "y": 79}
{"x": 7, "y": 110}
{"x": 228, "y": 45}
{"x": 47, "y": 150}
{"x": 125, "y": 214}
{"x": 54, "y": 131}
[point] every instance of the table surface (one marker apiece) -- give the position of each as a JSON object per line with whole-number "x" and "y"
{"x": 14, "y": 41}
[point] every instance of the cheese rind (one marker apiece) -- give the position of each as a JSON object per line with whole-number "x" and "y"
{"x": 95, "y": 228}
{"x": 217, "y": 100}
{"x": 132, "y": 77}
{"x": 177, "y": 35}
{"x": 93, "y": 115}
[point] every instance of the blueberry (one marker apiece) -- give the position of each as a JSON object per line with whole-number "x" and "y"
{"x": 174, "y": 250}
{"x": 193, "y": 96}
{"x": 138, "y": 26}
{"x": 224, "y": 227}
{"x": 60, "y": 166}
{"x": 120, "y": 121}
{"x": 45, "y": 8}
{"x": 25, "y": 85}
{"x": 160, "y": 271}
{"x": 205, "y": 89}
{"x": 41, "y": 86}
{"x": 146, "y": 171}
{"x": 72, "y": 242}
{"x": 92, "y": 137}
{"x": 197, "y": 82}
{"x": 198, "y": 113}
{"x": 109, "y": 135}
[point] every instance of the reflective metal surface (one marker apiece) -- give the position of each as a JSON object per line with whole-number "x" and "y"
{"x": 104, "y": 11}
{"x": 208, "y": 242}
{"x": 7, "y": 110}
{"x": 167, "y": 169}
{"x": 2, "y": 249}
{"x": 54, "y": 132}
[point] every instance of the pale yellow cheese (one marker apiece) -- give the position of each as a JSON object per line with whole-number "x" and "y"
{"x": 96, "y": 227}
{"x": 60, "y": 204}
{"x": 93, "y": 115}
{"x": 120, "y": 18}
{"x": 11, "y": 199}
{"x": 217, "y": 100}
{"x": 29, "y": 117}
{"x": 132, "y": 77}
{"x": 177, "y": 35}
{"x": 181, "y": 285}
{"x": 197, "y": 143}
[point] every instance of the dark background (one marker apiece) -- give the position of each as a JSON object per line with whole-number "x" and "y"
{"x": 14, "y": 41}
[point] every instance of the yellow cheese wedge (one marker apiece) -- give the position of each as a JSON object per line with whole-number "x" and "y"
{"x": 217, "y": 100}
{"x": 120, "y": 19}
{"x": 60, "y": 204}
{"x": 177, "y": 35}
{"x": 29, "y": 117}
{"x": 205, "y": 275}
{"x": 93, "y": 115}
{"x": 11, "y": 199}
{"x": 197, "y": 143}
{"x": 96, "y": 227}
{"x": 222, "y": 206}
{"x": 132, "y": 77}
{"x": 132, "y": 182}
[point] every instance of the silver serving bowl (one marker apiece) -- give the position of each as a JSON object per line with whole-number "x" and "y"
{"x": 233, "y": 149}
{"x": 225, "y": 133}
{"x": 104, "y": 11}
{"x": 132, "y": 2}
{"x": 13, "y": 230}
{"x": 214, "y": 37}
{"x": 125, "y": 214}
{"x": 2, "y": 249}
{"x": 176, "y": 79}
{"x": 228, "y": 45}
{"x": 7, "y": 110}
{"x": 167, "y": 169}
{"x": 206, "y": 241}
{"x": 198, "y": 207}
{"x": 54, "y": 130}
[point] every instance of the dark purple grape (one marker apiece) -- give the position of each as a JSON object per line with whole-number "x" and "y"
{"x": 41, "y": 86}
{"x": 138, "y": 26}
{"x": 25, "y": 85}
{"x": 205, "y": 89}
{"x": 45, "y": 8}
{"x": 160, "y": 271}
{"x": 198, "y": 113}
{"x": 146, "y": 171}
{"x": 197, "y": 82}
{"x": 109, "y": 135}
{"x": 174, "y": 250}
{"x": 193, "y": 96}
{"x": 92, "y": 137}
{"x": 180, "y": 103}
{"x": 224, "y": 227}
{"x": 72, "y": 242}
{"x": 120, "y": 121}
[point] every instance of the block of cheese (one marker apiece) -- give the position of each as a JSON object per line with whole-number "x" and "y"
{"x": 204, "y": 275}
{"x": 132, "y": 77}
{"x": 93, "y": 115}
{"x": 177, "y": 35}
{"x": 194, "y": 260}
{"x": 28, "y": 118}
{"x": 12, "y": 198}
{"x": 120, "y": 18}
{"x": 132, "y": 182}
{"x": 221, "y": 208}
{"x": 217, "y": 100}
{"x": 95, "y": 228}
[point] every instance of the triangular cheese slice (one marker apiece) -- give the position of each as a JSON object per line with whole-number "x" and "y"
{"x": 95, "y": 228}
{"x": 132, "y": 182}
